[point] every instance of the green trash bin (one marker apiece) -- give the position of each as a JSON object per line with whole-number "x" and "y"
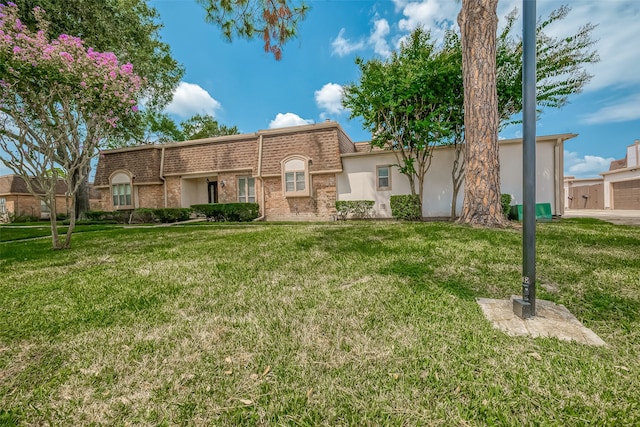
{"x": 543, "y": 212}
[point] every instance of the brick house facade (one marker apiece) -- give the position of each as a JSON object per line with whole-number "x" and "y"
{"x": 298, "y": 173}
{"x": 290, "y": 172}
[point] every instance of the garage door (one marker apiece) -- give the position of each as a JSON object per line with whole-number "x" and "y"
{"x": 626, "y": 194}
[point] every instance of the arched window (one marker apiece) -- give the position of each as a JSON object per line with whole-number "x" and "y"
{"x": 295, "y": 177}
{"x": 121, "y": 190}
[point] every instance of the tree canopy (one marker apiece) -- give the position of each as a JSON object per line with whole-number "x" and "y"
{"x": 128, "y": 28}
{"x": 274, "y": 21}
{"x": 406, "y": 102}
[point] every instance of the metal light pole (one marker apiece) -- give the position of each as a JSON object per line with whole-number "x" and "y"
{"x": 526, "y": 307}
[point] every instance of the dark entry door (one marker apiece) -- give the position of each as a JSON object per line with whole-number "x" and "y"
{"x": 213, "y": 191}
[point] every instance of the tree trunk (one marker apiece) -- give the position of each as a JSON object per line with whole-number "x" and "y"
{"x": 53, "y": 220}
{"x": 457, "y": 175}
{"x": 478, "y": 23}
{"x": 81, "y": 204}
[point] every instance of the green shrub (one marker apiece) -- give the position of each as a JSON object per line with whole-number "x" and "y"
{"x": 23, "y": 218}
{"x": 506, "y": 204}
{"x": 108, "y": 217}
{"x": 355, "y": 208}
{"x": 143, "y": 216}
{"x": 406, "y": 207}
{"x": 96, "y": 215}
{"x": 240, "y": 212}
{"x": 172, "y": 214}
{"x": 61, "y": 216}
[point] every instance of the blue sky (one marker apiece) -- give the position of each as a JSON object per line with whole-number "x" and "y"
{"x": 243, "y": 86}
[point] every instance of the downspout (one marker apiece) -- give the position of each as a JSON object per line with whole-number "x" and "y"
{"x": 558, "y": 183}
{"x": 164, "y": 181}
{"x": 261, "y": 217}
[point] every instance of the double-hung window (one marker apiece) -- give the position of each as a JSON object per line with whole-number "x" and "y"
{"x": 295, "y": 173}
{"x": 383, "y": 177}
{"x": 121, "y": 191}
{"x": 246, "y": 189}
{"x": 3, "y": 205}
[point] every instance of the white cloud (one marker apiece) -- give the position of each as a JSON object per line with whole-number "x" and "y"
{"x": 625, "y": 110}
{"x": 190, "y": 99}
{"x": 434, "y": 15}
{"x": 585, "y": 167}
{"x": 380, "y": 30}
{"x": 288, "y": 119}
{"x": 343, "y": 47}
{"x": 329, "y": 98}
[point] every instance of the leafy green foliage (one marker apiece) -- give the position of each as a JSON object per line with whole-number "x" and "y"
{"x": 406, "y": 207}
{"x": 240, "y": 212}
{"x": 506, "y": 204}
{"x": 205, "y": 126}
{"x": 356, "y": 208}
{"x": 130, "y": 29}
{"x": 111, "y": 216}
{"x": 406, "y": 101}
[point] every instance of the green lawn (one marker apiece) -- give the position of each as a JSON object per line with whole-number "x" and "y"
{"x": 314, "y": 324}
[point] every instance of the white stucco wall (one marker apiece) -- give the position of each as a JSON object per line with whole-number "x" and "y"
{"x": 357, "y": 181}
{"x": 194, "y": 191}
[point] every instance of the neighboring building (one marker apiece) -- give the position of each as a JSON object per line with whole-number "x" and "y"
{"x": 618, "y": 188}
{"x": 15, "y": 199}
{"x": 583, "y": 193}
{"x": 622, "y": 181}
{"x": 299, "y": 173}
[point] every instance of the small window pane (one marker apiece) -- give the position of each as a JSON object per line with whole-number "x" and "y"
{"x": 383, "y": 177}
{"x": 289, "y": 181}
{"x": 252, "y": 188}
{"x": 299, "y": 181}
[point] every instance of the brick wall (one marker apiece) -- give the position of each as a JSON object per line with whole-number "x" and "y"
{"x": 29, "y": 205}
{"x": 320, "y": 206}
{"x": 150, "y": 196}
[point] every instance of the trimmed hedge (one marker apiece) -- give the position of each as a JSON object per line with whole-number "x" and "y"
{"x": 238, "y": 212}
{"x": 506, "y": 204}
{"x": 108, "y": 216}
{"x": 357, "y": 208}
{"x": 406, "y": 207}
{"x": 164, "y": 215}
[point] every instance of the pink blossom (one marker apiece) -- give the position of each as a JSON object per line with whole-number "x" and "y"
{"x": 134, "y": 108}
{"x": 83, "y": 84}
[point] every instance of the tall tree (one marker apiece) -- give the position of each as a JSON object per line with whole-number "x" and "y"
{"x": 58, "y": 102}
{"x": 478, "y": 21}
{"x": 274, "y": 21}
{"x": 130, "y": 29}
{"x": 406, "y": 103}
{"x": 560, "y": 73}
{"x": 156, "y": 128}
{"x": 205, "y": 126}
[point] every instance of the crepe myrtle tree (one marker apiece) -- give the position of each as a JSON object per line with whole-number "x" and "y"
{"x": 406, "y": 102}
{"x": 59, "y": 101}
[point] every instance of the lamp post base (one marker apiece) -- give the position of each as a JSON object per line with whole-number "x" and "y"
{"x": 523, "y": 309}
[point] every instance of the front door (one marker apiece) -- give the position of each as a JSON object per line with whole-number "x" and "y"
{"x": 213, "y": 191}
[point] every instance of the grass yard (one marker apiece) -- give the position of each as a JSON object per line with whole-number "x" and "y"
{"x": 314, "y": 324}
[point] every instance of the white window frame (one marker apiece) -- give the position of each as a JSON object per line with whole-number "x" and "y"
{"x": 378, "y": 177}
{"x": 3, "y": 205}
{"x": 246, "y": 185}
{"x": 295, "y": 176}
